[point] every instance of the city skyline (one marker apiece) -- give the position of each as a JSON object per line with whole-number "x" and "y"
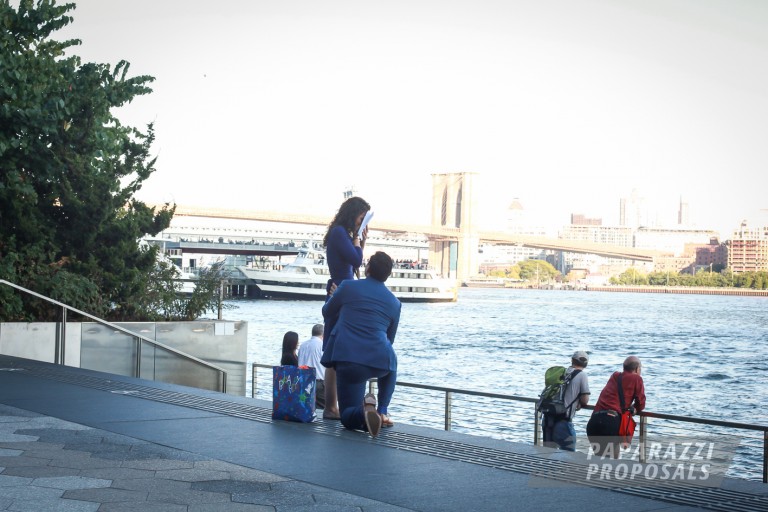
{"x": 568, "y": 106}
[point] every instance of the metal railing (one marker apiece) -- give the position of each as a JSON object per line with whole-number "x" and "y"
{"x": 61, "y": 331}
{"x": 505, "y": 417}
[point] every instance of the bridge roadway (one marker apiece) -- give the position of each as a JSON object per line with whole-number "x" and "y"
{"x": 432, "y": 232}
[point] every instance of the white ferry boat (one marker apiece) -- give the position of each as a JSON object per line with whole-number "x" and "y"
{"x": 305, "y": 279}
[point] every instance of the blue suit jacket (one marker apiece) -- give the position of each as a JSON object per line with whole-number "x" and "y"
{"x": 367, "y": 315}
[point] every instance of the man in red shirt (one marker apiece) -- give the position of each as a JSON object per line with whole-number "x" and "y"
{"x": 603, "y": 426}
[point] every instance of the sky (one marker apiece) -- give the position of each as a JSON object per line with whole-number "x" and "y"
{"x": 566, "y": 105}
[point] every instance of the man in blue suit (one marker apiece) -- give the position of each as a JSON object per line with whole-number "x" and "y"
{"x": 359, "y": 347}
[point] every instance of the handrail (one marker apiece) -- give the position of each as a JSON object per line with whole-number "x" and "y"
{"x": 642, "y": 437}
{"x": 60, "y": 336}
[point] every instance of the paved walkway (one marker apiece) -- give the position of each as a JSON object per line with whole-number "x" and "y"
{"x": 78, "y": 440}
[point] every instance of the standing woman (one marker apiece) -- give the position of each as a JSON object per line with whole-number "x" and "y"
{"x": 290, "y": 349}
{"x": 344, "y": 254}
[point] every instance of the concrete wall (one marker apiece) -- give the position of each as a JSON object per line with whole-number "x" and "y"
{"x": 98, "y": 347}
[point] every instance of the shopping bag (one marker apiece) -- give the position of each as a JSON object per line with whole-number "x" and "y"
{"x": 626, "y": 428}
{"x": 293, "y": 393}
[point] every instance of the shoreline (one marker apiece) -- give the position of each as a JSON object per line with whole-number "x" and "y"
{"x": 681, "y": 290}
{"x": 687, "y": 290}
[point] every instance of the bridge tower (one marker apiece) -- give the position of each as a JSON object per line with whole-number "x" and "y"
{"x": 453, "y": 206}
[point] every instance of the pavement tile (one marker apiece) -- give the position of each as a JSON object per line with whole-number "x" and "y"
{"x": 115, "y": 473}
{"x": 72, "y": 482}
{"x": 13, "y": 462}
{"x": 7, "y": 452}
{"x": 53, "y": 505}
{"x": 31, "y": 445}
{"x": 62, "y": 436}
{"x": 64, "y": 455}
{"x": 231, "y": 486}
{"x": 237, "y": 472}
{"x": 338, "y": 499}
{"x": 159, "y": 464}
{"x": 103, "y": 450}
{"x": 277, "y": 500}
{"x": 192, "y": 475}
{"x": 29, "y": 492}
{"x": 12, "y": 481}
{"x": 106, "y": 495}
{"x": 83, "y": 462}
{"x": 8, "y": 412}
{"x": 39, "y": 471}
{"x": 144, "y": 507}
{"x": 324, "y": 499}
{"x": 188, "y": 497}
{"x": 289, "y": 493}
{"x": 150, "y": 484}
{"x": 43, "y": 452}
{"x": 12, "y": 437}
{"x": 231, "y": 507}
{"x": 150, "y": 451}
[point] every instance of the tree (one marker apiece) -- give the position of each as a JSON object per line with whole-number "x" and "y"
{"x": 69, "y": 223}
{"x": 630, "y": 276}
{"x": 532, "y": 270}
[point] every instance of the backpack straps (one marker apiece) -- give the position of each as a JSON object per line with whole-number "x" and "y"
{"x": 567, "y": 383}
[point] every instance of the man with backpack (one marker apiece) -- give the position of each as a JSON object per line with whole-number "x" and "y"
{"x": 566, "y": 391}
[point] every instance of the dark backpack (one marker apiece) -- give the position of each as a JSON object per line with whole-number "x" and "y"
{"x": 552, "y": 397}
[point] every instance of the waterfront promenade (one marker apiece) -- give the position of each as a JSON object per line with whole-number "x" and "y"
{"x": 79, "y": 440}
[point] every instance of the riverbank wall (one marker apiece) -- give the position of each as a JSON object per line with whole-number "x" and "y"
{"x": 689, "y": 290}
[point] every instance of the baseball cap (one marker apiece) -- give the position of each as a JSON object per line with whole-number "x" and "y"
{"x": 581, "y": 357}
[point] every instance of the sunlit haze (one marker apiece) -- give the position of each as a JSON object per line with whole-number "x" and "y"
{"x": 566, "y": 105}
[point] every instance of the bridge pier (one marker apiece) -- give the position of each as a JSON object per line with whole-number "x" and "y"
{"x": 453, "y": 206}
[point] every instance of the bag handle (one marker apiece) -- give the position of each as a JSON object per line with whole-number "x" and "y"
{"x": 621, "y": 396}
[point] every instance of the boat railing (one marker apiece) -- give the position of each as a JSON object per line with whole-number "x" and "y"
{"x": 140, "y": 342}
{"x": 741, "y": 449}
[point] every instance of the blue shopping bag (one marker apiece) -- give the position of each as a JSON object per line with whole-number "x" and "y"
{"x": 293, "y": 393}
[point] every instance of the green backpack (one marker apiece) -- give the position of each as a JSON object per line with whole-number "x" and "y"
{"x": 552, "y": 397}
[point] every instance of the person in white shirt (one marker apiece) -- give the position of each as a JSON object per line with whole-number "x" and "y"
{"x": 310, "y": 353}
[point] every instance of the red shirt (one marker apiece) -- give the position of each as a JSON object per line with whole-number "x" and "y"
{"x": 633, "y": 391}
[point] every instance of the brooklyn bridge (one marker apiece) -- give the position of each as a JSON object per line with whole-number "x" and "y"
{"x": 453, "y": 236}
{"x": 433, "y": 233}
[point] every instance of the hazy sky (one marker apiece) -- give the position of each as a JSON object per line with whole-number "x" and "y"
{"x": 567, "y": 105}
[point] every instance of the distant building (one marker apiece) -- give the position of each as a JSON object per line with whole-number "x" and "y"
{"x": 671, "y": 241}
{"x": 683, "y": 214}
{"x": 694, "y": 257}
{"x": 633, "y": 211}
{"x": 496, "y": 256}
{"x": 596, "y": 233}
{"x": 713, "y": 255}
{"x": 748, "y": 249}
{"x": 579, "y": 219}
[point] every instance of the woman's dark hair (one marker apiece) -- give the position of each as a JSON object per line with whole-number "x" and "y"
{"x": 290, "y": 343}
{"x": 348, "y": 213}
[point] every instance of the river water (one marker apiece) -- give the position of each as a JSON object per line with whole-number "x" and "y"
{"x": 702, "y": 355}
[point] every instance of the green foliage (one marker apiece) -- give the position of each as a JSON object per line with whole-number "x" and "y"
{"x": 508, "y": 273}
{"x": 725, "y": 278}
{"x": 69, "y": 223}
{"x": 206, "y": 296}
{"x": 631, "y": 276}
{"x": 536, "y": 270}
